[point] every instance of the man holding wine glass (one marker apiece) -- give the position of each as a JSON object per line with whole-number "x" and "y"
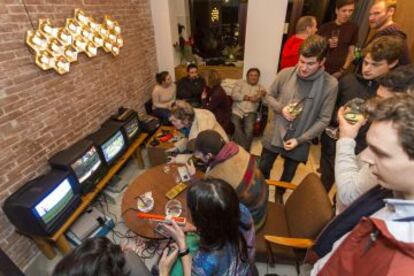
{"x": 301, "y": 100}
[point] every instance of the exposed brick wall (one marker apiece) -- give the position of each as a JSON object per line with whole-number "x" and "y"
{"x": 42, "y": 112}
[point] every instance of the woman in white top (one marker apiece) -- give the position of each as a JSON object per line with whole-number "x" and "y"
{"x": 163, "y": 96}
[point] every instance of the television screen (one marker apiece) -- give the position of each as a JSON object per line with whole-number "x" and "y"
{"x": 113, "y": 146}
{"x": 132, "y": 127}
{"x": 86, "y": 165}
{"x": 52, "y": 205}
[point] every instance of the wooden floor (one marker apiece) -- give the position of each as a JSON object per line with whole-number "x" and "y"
{"x": 311, "y": 166}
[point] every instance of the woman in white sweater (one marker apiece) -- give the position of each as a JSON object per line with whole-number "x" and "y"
{"x": 163, "y": 96}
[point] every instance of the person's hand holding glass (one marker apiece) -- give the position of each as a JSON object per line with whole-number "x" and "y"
{"x": 333, "y": 40}
{"x": 291, "y": 111}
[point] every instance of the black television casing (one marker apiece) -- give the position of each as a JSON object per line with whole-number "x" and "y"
{"x": 19, "y": 207}
{"x": 64, "y": 159}
{"x": 125, "y": 117}
{"x": 102, "y": 135}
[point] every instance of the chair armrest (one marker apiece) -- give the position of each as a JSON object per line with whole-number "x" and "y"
{"x": 291, "y": 242}
{"x": 281, "y": 184}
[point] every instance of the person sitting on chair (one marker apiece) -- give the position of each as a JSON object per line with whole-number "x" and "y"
{"x": 215, "y": 99}
{"x": 163, "y": 96}
{"x": 190, "y": 87}
{"x": 225, "y": 226}
{"x": 246, "y": 95}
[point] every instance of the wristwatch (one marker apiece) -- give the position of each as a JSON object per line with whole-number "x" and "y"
{"x": 185, "y": 252}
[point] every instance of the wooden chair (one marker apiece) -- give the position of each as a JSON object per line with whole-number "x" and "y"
{"x": 291, "y": 228}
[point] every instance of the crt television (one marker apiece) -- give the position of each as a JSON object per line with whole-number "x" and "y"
{"x": 84, "y": 161}
{"x": 43, "y": 204}
{"x": 130, "y": 123}
{"x": 110, "y": 142}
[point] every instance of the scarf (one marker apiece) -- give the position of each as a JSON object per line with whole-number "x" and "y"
{"x": 230, "y": 149}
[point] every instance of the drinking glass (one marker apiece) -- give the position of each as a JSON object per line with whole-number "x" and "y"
{"x": 295, "y": 108}
{"x": 173, "y": 208}
{"x": 354, "y": 110}
{"x": 335, "y": 37}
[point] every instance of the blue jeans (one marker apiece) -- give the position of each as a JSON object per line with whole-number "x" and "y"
{"x": 243, "y": 129}
{"x": 163, "y": 114}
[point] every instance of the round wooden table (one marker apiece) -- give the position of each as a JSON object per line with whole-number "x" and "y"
{"x": 159, "y": 183}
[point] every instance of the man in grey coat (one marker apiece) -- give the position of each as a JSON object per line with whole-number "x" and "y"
{"x": 301, "y": 100}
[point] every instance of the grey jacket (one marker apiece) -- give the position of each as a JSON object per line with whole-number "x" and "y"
{"x": 319, "y": 90}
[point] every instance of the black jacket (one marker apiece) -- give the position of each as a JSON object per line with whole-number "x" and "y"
{"x": 353, "y": 86}
{"x": 190, "y": 90}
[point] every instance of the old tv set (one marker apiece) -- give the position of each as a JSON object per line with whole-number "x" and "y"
{"x": 84, "y": 161}
{"x": 110, "y": 142}
{"x": 42, "y": 206}
{"x": 130, "y": 123}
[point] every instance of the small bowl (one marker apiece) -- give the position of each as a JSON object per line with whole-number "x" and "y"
{"x": 145, "y": 204}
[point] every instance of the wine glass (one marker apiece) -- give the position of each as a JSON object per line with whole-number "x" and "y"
{"x": 295, "y": 108}
{"x": 173, "y": 208}
{"x": 354, "y": 110}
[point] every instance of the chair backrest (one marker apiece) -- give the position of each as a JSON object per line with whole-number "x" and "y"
{"x": 148, "y": 107}
{"x": 308, "y": 209}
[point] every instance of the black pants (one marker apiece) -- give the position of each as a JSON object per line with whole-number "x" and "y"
{"x": 267, "y": 159}
{"x": 327, "y": 161}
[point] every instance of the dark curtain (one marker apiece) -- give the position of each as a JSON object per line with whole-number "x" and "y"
{"x": 242, "y": 23}
{"x": 360, "y": 18}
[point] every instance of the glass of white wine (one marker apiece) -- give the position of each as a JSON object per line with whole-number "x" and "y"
{"x": 173, "y": 208}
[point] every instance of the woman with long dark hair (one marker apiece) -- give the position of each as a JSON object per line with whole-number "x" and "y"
{"x": 99, "y": 256}
{"x": 225, "y": 228}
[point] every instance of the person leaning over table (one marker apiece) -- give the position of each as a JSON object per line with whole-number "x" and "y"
{"x": 225, "y": 227}
{"x": 230, "y": 162}
{"x": 191, "y": 121}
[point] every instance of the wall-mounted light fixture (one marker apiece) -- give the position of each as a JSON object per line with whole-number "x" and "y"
{"x": 56, "y": 48}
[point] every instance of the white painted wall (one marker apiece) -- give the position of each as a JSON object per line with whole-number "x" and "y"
{"x": 182, "y": 11}
{"x": 161, "y": 18}
{"x": 166, "y": 14}
{"x": 264, "y": 31}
